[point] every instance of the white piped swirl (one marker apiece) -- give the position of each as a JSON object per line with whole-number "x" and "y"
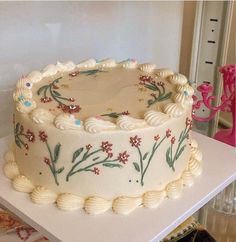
{"x": 187, "y": 178}
{"x": 22, "y": 184}
{"x": 26, "y": 105}
{"x": 41, "y": 195}
{"x": 185, "y": 101}
{"x": 129, "y": 64}
{"x": 87, "y": 63}
{"x": 186, "y": 89}
{"x": 195, "y": 167}
{"x": 24, "y": 83}
{"x": 175, "y": 110}
{"x": 66, "y": 66}
{"x": 35, "y": 76}
{"x": 154, "y": 118}
{"x": 49, "y": 70}
{"x": 107, "y": 63}
{"x": 22, "y": 93}
{"x": 11, "y": 169}
{"x": 128, "y": 123}
{"x": 178, "y": 78}
{"x": 152, "y": 199}
{"x": 164, "y": 72}
{"x": 174, "y": 189}
{"x": 97, "y": 205}
{"x": 96, "y": 125}
{"x": 125, "y": 205}
{"x": 67, "y": 121}
{"x": 69, "y": 202}
{"x": 196, "y": 154}
{"x": 147, "y": 67}
{"x": 41, "y": 116}
{"x": 9, "y": 156}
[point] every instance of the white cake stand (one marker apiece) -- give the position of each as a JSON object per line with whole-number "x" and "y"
{"x": 219, "y": 170}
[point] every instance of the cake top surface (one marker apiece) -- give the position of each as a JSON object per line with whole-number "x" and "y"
{"x": 105, "y": 90}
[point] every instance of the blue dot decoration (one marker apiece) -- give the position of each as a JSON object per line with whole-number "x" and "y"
{"x": 185, "y": 93}
{"x": 21, "y": 97}
{"x": 27, "y": 103}
{"x": 77, "y": 122}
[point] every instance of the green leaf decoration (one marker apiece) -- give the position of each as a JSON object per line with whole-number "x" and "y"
{"x": 110, "y": 165}
{"x": 151, "y": 87}
{"x": 56, "y": 93}
{"x": 112, "y": 115}
{"x": 18, "y": 143}
{"x": 60, "y": 170}
{"x": 167, "y": 96}
{"x": 77, "y": 153}
{"x": 180, "y": 152}
{"x": 181, "y": 135}
{"x": 136, "y": 166}
{"x": 17, "y": 128}
{"x": 145, "y": 155}
{"x": 96, "y": 158}
{"x": 57, "y": 152}
{"x": 150, "y": 102}
{"x": 41, "y": 89}
{"x": 168, "y": 158}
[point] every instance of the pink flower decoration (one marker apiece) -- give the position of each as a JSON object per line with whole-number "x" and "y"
{"x": 30, "y": 136}
{"x": 125, "y": 113}
{"x": 157, "y": 137}
{"x": 135, "y": 141}
{"x": 106, "y": 147}
{"x": 172, "y": 140}
{"x": 43, "y": 137}
{"x": 46, "y": 161}
{"x": 96, "y": 171}
{"x": 110, "y": 154}
{"x": 45, "y": 99}
{"x": 123, "y": 157}
{"x": 88, "y": 147}
{"x": 168, "y": 133}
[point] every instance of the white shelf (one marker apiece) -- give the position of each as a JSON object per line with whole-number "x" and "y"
{"x": 219, "y": 170}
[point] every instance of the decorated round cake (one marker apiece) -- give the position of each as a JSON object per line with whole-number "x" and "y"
{"x": 102, "y": 135}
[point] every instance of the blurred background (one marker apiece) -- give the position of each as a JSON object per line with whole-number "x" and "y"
{"x": 193, "y": 38}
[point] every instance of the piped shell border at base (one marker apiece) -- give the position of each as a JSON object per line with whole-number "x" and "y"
{"x": 97, "y": 205}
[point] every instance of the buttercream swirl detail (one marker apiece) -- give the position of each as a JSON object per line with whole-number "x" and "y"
{"x": 41, "y": 195}
{"x": 153, "y": 199}
{"x": 175, "y": 110}
{"x": 41, "y": 116}
{"x": 87, "y": 63}
{"x": 154, "y": 118}
{"x": 185, "y": 101}
{"x": 97, "y": 205}
{"x": 24, "y": 83}
{"x": 26, "y": 105}
{"x": 125, "y": 205}
{"x": 185, "y": 89}
{"x": 21, "y": 94}
{"x": 178, "y": 78}
{"x": 49, "y": 70}
{"x": 128, "y": 123}
{"x": 66, "y": 66}
{"x": 174, "y": 189}
{"x": 96, "y": 125}
{"x": 11, "y": 169}
{"x": 129, "y": 64}
{"x": 35, "y": 76}
{"x": 69, "y": 202}
{"x": 164, "y": 72}
{"x": 22, "y": 184}
{"x": 9, "y": 156}
{"x": 187, "y": 178}
{"x": 107, "y": 63}
{"x": 67, "y": 121}
{"x": 196, "y": 154}
{"x": 195, "y": 167}
{"x": 147, "y": 67}
{"x": 194, "y": 143}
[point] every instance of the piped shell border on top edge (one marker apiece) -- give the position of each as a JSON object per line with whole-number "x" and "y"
{"x": 97, "y": 205}
{"x": 26, "y": 104}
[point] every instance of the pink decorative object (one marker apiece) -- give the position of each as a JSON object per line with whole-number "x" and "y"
{"x": 227, "y": 136}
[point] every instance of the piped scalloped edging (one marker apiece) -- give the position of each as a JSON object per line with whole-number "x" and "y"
{"x": 26, "y": 104}
{"x": 97, "y": 205}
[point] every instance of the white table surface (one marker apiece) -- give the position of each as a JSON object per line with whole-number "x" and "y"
{"x": 219, "y": 170}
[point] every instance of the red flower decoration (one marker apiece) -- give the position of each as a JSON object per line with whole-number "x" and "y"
{"x": 88, "y": 147}
{"x": 168, "y": 133}
{"x": 153, "y": 95}
{"x": 188, "y": 121}
{"x": 96, "y": 171}
{"x": 172, "y": 140}
{"x": 123, "y": 157}
{"x": 106, "y": 147}
{"x": 135, "y": 141}
{"x": 109, "y": 154}
{"x": 30, "y": 136}
{"x": 145, "y": 79}
{"x": 70, "y": 108}
{"x": 157, "y": 137}
{"x": 71, "y": 99}
{"x": 125, "y": 113}
{"x": 43, "y": 137}
{"x": 73, "y": 74}
{"x": 45, "y": 99}
{"x": 46, "y": 161}
{"x": 26, "y": 146}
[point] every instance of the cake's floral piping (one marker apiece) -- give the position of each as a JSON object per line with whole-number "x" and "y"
{"x": 171, "y": 156}
{"x": 146, "y": 158}
{"x": 87, "y": 159}
{"x": 115, "y": 114}
{"x": 97, "y": 205}
{"x": 91, "y": 67}
{"x": 53, "y": 158}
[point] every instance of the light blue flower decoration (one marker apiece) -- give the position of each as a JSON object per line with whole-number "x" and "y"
{"x": 27, "y": 103}
{"x": 77, "y": 122}
{"x": 185, "y": 93}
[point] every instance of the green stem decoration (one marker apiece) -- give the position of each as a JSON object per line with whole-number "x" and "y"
{"x": 54, "y": 156}
{"x": 91, "y": 72}
{"x": 115, "y": 114}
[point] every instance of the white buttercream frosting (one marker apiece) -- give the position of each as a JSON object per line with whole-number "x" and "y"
{"x": 22, "y": 184}
{"x": 174, "y": 189}
{"x": 96, "y": 125}
{"x": 35, "y": 76}
{"x": 196, "y": 154}
{"x": 175, "y": 110}
{"x": 187, "y": 178}
{"x": 195, "y": 167}
{"x": 184, "y": 100}
{"x": 129, "y": 64}
{"x": 87, "y": 63}
{"x": 97, "y": 205}
{"x": 22, "y": 93}
{"x": 66, "y": 66}
{"x": 178, "y": 78}
{"x": 194, "y": 143}
{"x": 11, "y": 169}
{"x": 107, "y": 63}
{"x": 67, "y": 121}
{"x": 41, "y": 116}
{"x": 69, "y": 201}
{"x": 147, "y": 67}
{"x": 9, "y": 156}
{"x": 24, "y": 83}
{"x": 154, "y": 118}
{"x": 49, "y": 70}
{"x": 26, "y": 105}
{"x": 125, "y": 205}
{"x": 186, "y": 89}
{"x": 152, "y": 199}
{"x": 128, "y": 123}
{"x": 42, "y": 195}
{"x": 164, "y": 72}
